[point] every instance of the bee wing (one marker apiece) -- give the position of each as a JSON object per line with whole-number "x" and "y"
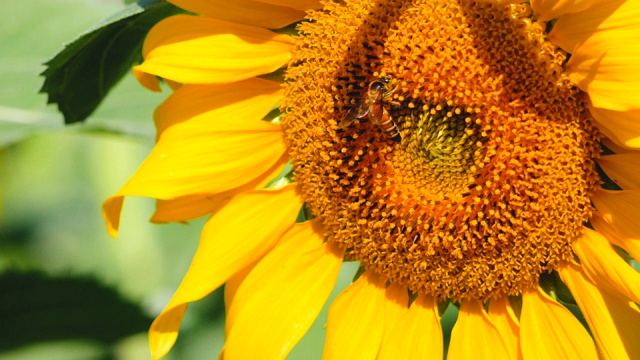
{"x": 358, "y": 111}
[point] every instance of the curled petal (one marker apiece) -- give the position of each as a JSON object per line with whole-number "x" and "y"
{"x": 614, "y": 322}
{"x": 472, "y": 334}
{"x": 549, "y": 331}
{"x": 354, "y": 327}
{"x": 200, "y": 50}
{"x": 236, "y": 236}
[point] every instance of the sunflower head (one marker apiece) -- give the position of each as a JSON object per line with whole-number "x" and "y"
{"x": 492, "y": 179}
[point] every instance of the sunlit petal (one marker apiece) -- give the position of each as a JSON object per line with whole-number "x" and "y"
{"x": 602, "y": 63}
{"x": 621, "y": 210}
{"x": 286, "y": 291}
{"x": 223, "y": 146}
{"x": 605, "y": 268}
{"x": 614, "y": 322}
{"x": 354, "y": 328}
{"x": 614, "y": 146}
{"x": 417, "y": 334}
{"x": 624, "y": 169}
{"x": 246, "y": 100}
{"x": 503, "y": 317}
{"x": 396, "y": 306}
{"x": 628, "y": 243}
{"x": 191, "y": 207}
{"x": 238, "y": 234}
{"x": 296, "y": 4}
{"x": 552, "y": 9}
{"x": 549, "y": 331}
{"x": 257, "y": 13}
{"x": 622, "y": 127}
{"x": 200, "y": 50}
{"x": 586, "y": 18}
{"x": 474, "y": 336}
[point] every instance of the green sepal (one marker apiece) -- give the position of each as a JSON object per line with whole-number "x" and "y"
{"x": 79, "y": 77}
{"x": 358, "y": 273}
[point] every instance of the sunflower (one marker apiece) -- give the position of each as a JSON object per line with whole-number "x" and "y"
{"x": 479, "y": 154}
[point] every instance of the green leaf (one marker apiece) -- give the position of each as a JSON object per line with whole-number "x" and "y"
{"x": 79, "y": 77}
{"x": 35, "y": 308}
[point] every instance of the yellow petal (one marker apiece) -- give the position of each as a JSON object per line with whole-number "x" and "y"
{"x": 590, "y": 18}
{"x": 257, "y": 13}
{"x": 231, "y": 289}
{"x": 172, "y": 84}
{"x": 614, "y": 322}
{"x": 622, "y": 127}
{"x": 621, "y": 210}
{"x": 572, "y": 27}
{"x": 397, "y": 305}
{"x": 111, "y": 209}
{"x": 609, "y": 75}
{"x": 296, "y": 4}
{"x": 416, "y": 335}
{"x": 223, "y": 146}
{"x": 234, "y": 237}
{"x": 503, "y": 317}
{"x": 149, "y": 81}
{"x": 549, "y": 331}
{"x": 356, "y": 320}
{"x": 624, "y": 169}
{"x": 552, "y": 9}
{"x": 605, "y": 268}
{"x": 630, "y": 244}
{"x": 281, "y": 297}
{"x": 474, "y": 336}
{"x": 200, "y": 50}
{"x": 246, "y": 100}
{"x": 614, "y": 146}
{"x": 191, "y": 207}
{"x": 185, "y": 208}
{"x": 602, "y": 62}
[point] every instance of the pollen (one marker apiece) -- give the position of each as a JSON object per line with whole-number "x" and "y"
{"x": 491, "y": 179}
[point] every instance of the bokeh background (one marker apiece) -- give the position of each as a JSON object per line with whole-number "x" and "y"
{"x": 67, "y": 290}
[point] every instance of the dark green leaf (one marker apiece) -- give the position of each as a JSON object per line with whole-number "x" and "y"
{"x": 81, "y": 75}
{"x": 34, "y": 308}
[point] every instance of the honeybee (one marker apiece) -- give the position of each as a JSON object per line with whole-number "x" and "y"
{"x": 374, "y": 106}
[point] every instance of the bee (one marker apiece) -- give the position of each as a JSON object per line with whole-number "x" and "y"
{"x": 373, "y": 105}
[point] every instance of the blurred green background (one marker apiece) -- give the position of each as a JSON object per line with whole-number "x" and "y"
{"x": 67, "y": 290}
{"x": 53, "y": 180}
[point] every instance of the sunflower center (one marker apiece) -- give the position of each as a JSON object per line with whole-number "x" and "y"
{"x": 440, "y": 142}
